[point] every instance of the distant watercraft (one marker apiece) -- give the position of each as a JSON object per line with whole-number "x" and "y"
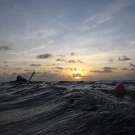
{"x": 31, "y": 76}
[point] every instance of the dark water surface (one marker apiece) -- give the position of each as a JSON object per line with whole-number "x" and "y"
{"x": 66, "y": 108}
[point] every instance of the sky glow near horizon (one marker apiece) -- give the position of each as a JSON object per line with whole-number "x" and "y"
{"x": 67, "y": 39}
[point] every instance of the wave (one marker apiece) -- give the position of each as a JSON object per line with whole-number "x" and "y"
{"x": 66, "y": 108}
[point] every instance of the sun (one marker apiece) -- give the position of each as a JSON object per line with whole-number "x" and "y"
{"x": 77, "y": 75}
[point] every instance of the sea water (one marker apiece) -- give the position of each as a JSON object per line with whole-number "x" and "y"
{"x": 66, "y": 108}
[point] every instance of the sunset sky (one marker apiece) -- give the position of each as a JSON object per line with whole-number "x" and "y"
{"x": 67, "y": 40}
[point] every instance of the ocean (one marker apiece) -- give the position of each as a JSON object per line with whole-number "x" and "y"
{"x": 66, "y": 108}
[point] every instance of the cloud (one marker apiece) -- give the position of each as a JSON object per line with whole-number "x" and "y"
{"x": 17, "y": 68}
{"x": 124, "y": 58}
{"x": 109, "y": 68}
{"x": 5, "y": 74}
{"x": 44, "y": 56}
{"x": 102, "y": 71}
{"x": 57, "y": 71}
{"x": 77, "y": 75}
{"x": 72, "y": 61}
{"x": 111, "y": 60}
{"x": 72, "y": 69}
{"x": 4, "y": 45}
{"x": 80, "y": 75}
{"x": 72, "y": 54}
{"x": 36, "y": 65}
{"x": 27, "y": 70}
{"x": 69, "y": 69}
{"x": 60, "y": 60}
{"x": 5, "y": 48}
{"x": 105, "y": 70}
{"x": 109, "y": 13}
{"x": 83, "y": 28}
{"x": 40, "y": 34}
{"x": 61, "y": 55}
{"x": 60, "y": 68}
{"x": 132, "y": 69}
{"x": 80, "y": 61}
{"x": 124, "y": 69}
{"x": 132, "y": 65}
{"x": 37, "y": 48}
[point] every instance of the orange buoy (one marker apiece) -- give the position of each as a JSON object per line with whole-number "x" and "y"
{"x": 119, "y": 89}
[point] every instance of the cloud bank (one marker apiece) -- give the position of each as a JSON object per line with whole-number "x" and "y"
{"x": 72, "y": 54}
{"x": 5, "y": 48}
{"x": 125, "y": 58}
{"x": 36, "y": 65}
{"x": 132, "y": 65}
{"x": 60, "y": 60}
{"x": 45, "y": 56}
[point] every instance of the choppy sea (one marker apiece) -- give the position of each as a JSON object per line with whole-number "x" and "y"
{"x": 66, "y": 108}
